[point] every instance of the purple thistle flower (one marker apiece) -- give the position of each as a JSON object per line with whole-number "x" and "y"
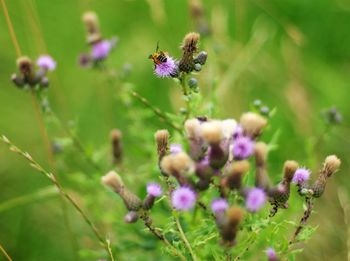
{"x": 255, "y": 200}
{"x": 271, "y": 254}
{"x": 166, "y": 69}
{"x": 154, "y": 189}
{"x": 238, "y": 132}
{"x": 219, "y": 205}
{"x": 301, "y": 175}
{"x": 46, "y": 62}
{"x": 101, "y": 50}
{"x": 175, "y": 148}
{"x": 183, "y": 198}
{"x": 243, "y": 147}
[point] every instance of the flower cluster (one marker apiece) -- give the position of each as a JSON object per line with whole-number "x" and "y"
{"x": 32, "y": 76}
{"x": 100, "y": 47}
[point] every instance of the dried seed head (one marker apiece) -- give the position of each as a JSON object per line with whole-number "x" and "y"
{"x": 212, "y": 132}
{"x": 175, "y": 164}
{"x": 162, "y": 139}
{"x": 113, "y": 180}
{"x": 290, "y": 166}
{"x": 192, "y": 128}
{"x": 117, "y": 148}
{"x": 252, "y": 123}
{"x": 190, "y": 42}
{"x": 331, "y": 165}
{"x": 235, "y": 215}
{"x": 235, "y": 172}
{"x": 25, "y": 65}
{"x": 260, "y": 153}
{"x": 90, "y": 20}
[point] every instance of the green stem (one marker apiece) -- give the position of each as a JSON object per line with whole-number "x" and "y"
{"x": 156, "y": 110}
{"x": 185, "y": 91}
{"x": 56, "y": 183}
{"x": 183, "y": 237}
{"x": 5, "y": 253}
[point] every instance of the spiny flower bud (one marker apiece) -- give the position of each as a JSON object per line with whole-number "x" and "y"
{"x": 25, "y": 66}
{"x": 330, "y": 166}
{"x": 279, "y": 194}
{"x": 290, "y": 166}
{"x": 252, "y": 124}
{"x": 162, "y": 139}
{"x": 201, "y": 58}
{"x": 131, "y": 217}
{"x": 154, "y": 190}
{"x": 177, "y": 165}
{"x": 114, "y": 181}
{"x": 234, "y": 174}
{"x": 117, "y": 148}
{"x": 230, "y": 225}
{"x": 261, "y": 177}
{"x": 212, "y": 132}
{"x": 91, "y": 23}
{"x": 192, "y": 128}
{"x": 189, "y": 47}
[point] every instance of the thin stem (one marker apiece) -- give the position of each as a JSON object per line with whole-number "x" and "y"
{"x": 183, "y": 83}
{"x": 43, "y": 129}
{"x": 5, "y": 253}
{"x": 55, "y": 182}
{"x": 156, "y": 110}
{"x": 160, "y": 236}
{"x": 12, "y": 31}
{"x": 303, "y": 220}
{"x": 183, "y": 237}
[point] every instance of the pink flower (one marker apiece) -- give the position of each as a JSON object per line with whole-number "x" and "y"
{"x": 183, "y": 198}
{"x": 46, "y": 62}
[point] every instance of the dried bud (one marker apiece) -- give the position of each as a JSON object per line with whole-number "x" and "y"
{"x": 91, "y": 23}
{"x": 117, "y": 148}
{"x": 212, "y": 132}
{"x": 114, "y": 181}
{"x": 261, "y": 177}
{"x": 330, "y": 166}
{"x": 290, "y": 166}
{"x": 162, "y": 140}
{"x": 252, "y": 124}
{"x": 192, "y": 128}
{"x": 229, "y": 228}
{"x": 189, "y": 47}
{"x": 190, "y": 42}
{"x": 131, "y": 217}
{"x": 177, "y": 165}
{"x": 234, "y": 174}
{"x": 17, "y": 80}
{"x": 25, "y": 66}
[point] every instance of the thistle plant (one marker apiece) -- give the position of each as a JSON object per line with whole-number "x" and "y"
{"x": 208, "y": 190}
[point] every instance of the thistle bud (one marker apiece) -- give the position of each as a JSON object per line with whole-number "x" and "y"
{"x": 114, "y": 181}
{"x": 117, "y": 148}
{"x": 189, "y": 47}
{"x": 235, "y": 173}
{"x": 162, "y": 140}
{"x": 197, "y": 147}
{"x": 261, "y": 177}
{"x": 192, "y": 128}
{"x": 212, "y": 132}
{"x": 177, "y": 165}
{"x": 290, "y": 166}
{"x": 229, "y": 228}
{"x": 201, "y": 58}
{"x": 25, "y": 66}
{"x": 131, "y": 217}
{"x": 252, "y": 124}
{"x": 90, "y": 20}
{"x": 330, "y": 166}
{"x": 154, "y": 190}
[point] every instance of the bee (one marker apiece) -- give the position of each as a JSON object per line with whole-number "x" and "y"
{"x": 158, "y": 57}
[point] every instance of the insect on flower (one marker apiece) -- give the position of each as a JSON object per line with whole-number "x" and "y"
{"x": 158, "y": 57}
{"x": 164, "y": 65}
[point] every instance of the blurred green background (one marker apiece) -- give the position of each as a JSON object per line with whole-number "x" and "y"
{"x": 294, "y": 55}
